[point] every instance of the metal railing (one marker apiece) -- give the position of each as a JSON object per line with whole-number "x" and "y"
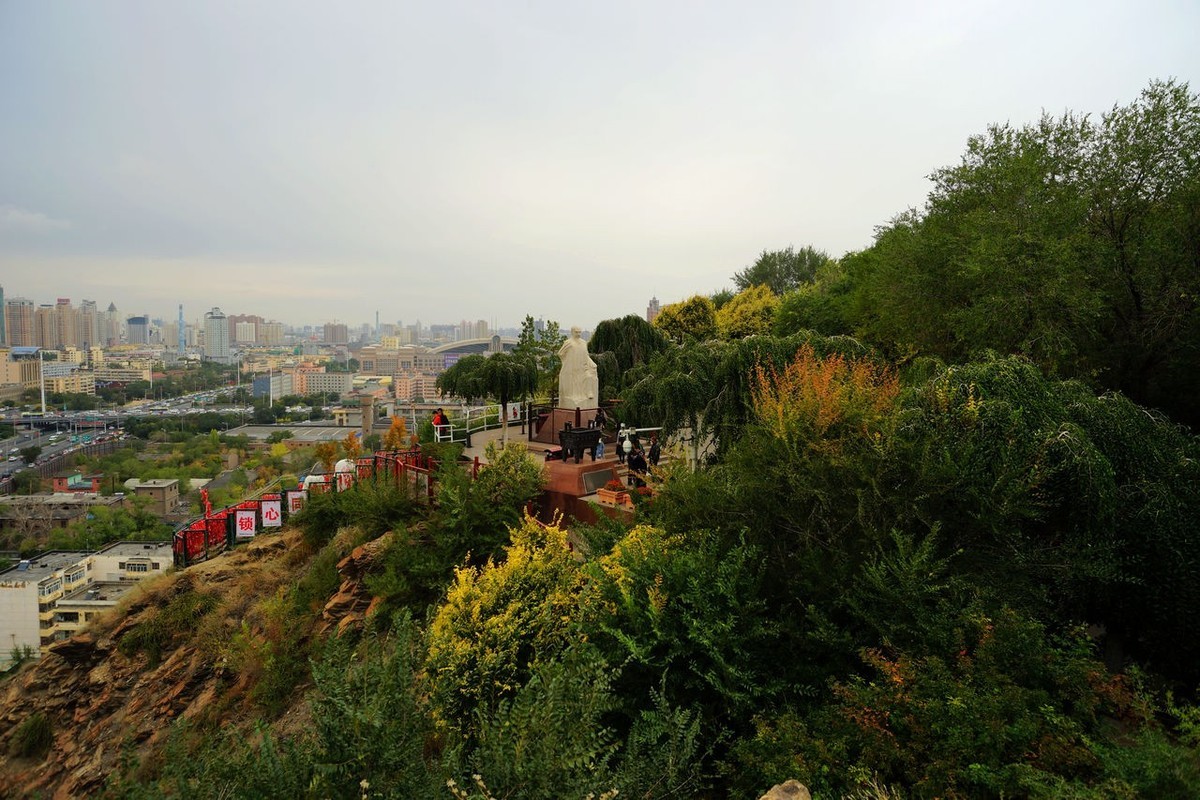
{"x": 475, "y": 419}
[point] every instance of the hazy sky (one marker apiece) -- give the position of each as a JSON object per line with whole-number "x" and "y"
{"x": 320, "y": 161}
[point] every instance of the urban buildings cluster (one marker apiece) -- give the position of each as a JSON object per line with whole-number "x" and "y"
{"x": 68, "y": 348}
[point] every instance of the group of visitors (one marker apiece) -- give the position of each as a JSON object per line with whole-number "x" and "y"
{"x": 639, "y": 460}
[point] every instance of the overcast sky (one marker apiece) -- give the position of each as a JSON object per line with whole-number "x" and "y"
{"x": 313, "y": 162}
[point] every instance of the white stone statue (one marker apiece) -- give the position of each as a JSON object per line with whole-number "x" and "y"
{"x": 578, "y": 382}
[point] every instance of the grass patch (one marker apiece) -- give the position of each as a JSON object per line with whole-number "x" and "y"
{"x": 182, "y": 614}
{"x": 32, "y": 738}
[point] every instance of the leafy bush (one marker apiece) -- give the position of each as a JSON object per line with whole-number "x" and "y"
{"x": 499, "y": 620}
{"x": 682, "y": 615}
{"x": 228, "y": 763}
{"x": 369, "y": 724}
{"x": 474, "y": 515}
{"x": 375, "y": 506}
{"x": 1011, "y": 710}
{"x": 549, "y": 739}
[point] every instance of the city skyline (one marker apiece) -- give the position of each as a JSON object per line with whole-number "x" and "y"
{"x": 465, "y": 160}
{"x": 197, "y": 320}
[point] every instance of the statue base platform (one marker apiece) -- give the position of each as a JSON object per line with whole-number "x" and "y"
{"x": 570, "y": 487}
{"x": 549, "y": 423}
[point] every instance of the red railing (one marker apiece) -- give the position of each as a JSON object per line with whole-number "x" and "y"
{"x": 216, "y": 531}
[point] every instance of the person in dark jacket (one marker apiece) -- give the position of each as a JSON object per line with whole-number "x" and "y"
{"x": 637, "y": 467}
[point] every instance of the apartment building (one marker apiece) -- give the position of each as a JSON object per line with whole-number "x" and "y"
{"x": 163, "y": 493}
{"x": 47, "y": 599}
{"x": 339, "y": 382}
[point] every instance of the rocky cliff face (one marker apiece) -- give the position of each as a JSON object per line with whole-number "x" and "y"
{"x": 106, "y": 702}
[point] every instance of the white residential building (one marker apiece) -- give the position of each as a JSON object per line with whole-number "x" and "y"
{"x": 31, "y": 592}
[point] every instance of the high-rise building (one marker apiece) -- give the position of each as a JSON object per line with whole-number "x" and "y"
{"x": 235, "y": 319}
{"x": 216, "y": 337}
{"x": 138, "y": 329}
{"x": 112, "y": 326}
{"x": 19, "y": 316}
{"x": 652, "y": 309}
{"x": 67, "y": 323}
{"x": 270, "y": 334}
{"x": 46, "y": 327}
{"x": 89, "y": 324}
{"x": 473, "y": 330}
{"x": 245, "y": 333}
{"x": 3, "y": 333}
{"x": 336, "y": 333}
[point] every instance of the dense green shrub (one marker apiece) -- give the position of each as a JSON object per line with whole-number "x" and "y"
{"x": 376, "y": 506}
{"x": 368, "y": 721}
{"x": 549, "y": 739}
{"x": 682, "y": 614}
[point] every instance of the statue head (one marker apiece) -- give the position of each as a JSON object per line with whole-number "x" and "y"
{"x": 576, "y": 331}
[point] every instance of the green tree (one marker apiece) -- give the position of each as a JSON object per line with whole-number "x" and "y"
{"x": 506, "y": 376}
{"x": 822, "y": 306}
{"x": 31, "y": 453}
{"x": 621, "y": 345}
{"x": 694, "y": 318}
{"x": 1068, "y": 241}
{"x": 721, "y": 297}
{"x": 550, "y": 341}
{"x": 27, "y": 481}
{"x": 782, "y": 270}
{"x": 541, "y": 347}
{"x": 461, "y": 379}
{"x": 750, "y": 313}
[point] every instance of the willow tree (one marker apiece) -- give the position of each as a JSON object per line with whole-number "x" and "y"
{"x": 461, "y": 379}
{"x": 619, "y": 345}
{"x": 506, "y": 377}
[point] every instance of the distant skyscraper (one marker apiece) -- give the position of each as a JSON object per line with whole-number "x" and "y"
{"x": 89, "y": 325}
{"x": 19, "y": 322}
{"x": 270, "y": 334}
{"x": 111, "y": 333}
{"x": 336, "y": 333}
{"x": 652, "y": 309}
{"x": 46, "y": 327}
{"x": 3, "y": 332}
{"x": 138, "y": 329}
{"x": 216, "y": 337}
{"x": 66, "y": 321}
{"x": 181, "y": 334}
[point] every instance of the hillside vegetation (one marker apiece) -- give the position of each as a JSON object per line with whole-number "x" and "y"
{"x": 933, "y": 548}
